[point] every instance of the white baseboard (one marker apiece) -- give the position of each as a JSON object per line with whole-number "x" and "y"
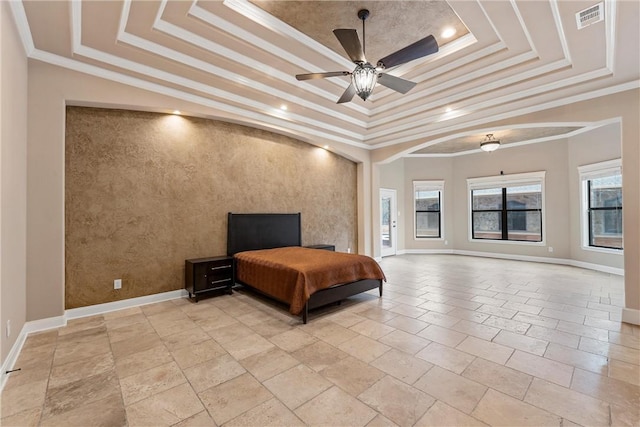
{"x": 93, "y": 310}
{"x": 426, "y": 251}
{"x": 630, "y": 315}
{"x": 76, "y": 313}
{"x": 597, "y": 267}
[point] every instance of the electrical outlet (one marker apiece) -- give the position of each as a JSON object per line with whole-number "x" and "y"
{"x": 8, "y": 328}
{"x": 550, "y": 248}
{"x": 117, "y": 284}
{"x": 446, "y": 242}
{"x": 348, "y": 250}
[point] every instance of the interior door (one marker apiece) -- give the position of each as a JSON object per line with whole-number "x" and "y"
{"x": 388, "y": 221}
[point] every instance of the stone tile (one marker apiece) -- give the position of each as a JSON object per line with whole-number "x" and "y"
{"x": 14, "y": 400}
{"x": 144, "y": 384}
{"x": 442, "y": 335}
{"x": 569, "y": 404}
{"x": 501, "y": 378}
{"x": 507, "y": 324}
{"x": 185, "y": 339}
{"x": 73, "y": 352}
{"x": 293, "y": 340}
{"x": 364, "y": 348}
{"x": 121, "y": 313}
{"x": 79, "y": 393}
{"x": 26, "y": 418}
{"x": 381, "y": 421}
{"x": 441, "y": 414}
{"x": 562, "y": 315}
{"x": 487, "y": 350}
{"x": 135, "y": 345}
{"x": 345, "y": 410}
{"x": 195, "y": 354}
{"x": 293, "y": 397}
{"x": 213, "y": 372}
{"x": 623, "y": 371}
{"x": 227, "y": 334}
{"x": 585, "y": 331}
{"x": 475, "y": 329}
{"x": 372, "y": 329}
{"x": 165, "y": 408}
{"x": 606, "y": 389}
{"x": 269, "y": 363}
{"x": 452, "y": 389}
{"x": 502, "y": 312}
{"x": 603, "y": 324}
{"x": 446, "y": 357}
{"x": 612, "y": 351}
{"x": 352, "y": 375}
{"x": 142, "y": 361}
{"x": 437, "y": 307}
{"x": 540, "y": 367}
{"x": 521, "y": 342}
{"x": 234, "y": 397}
{"x": 247, "y": 346}
{"x": 536, "y": 320}
{"x": 105, "y": 412}
{"x": 404, "y": 341}
{"x": 270, "y": 413}
{"x": 271, "y": 327}
{"x": 625, "y": 415}
{"x": 74, "y": 371}
{"x": 378, "y": 314}
{"x": 469, "y": 315}
{"x": 407, "y": 324}
{"x": 498, "y": 409}
{"x": 345, "y": 318}
{"x": 402, "y": 366}
{"x": 83, "y": 335}
{"x": 439, "y": 319}
{"x": 114, "y": 323}
{"x": 201, "y": 419}
{"x": 319, "y": 355}
{"x": 577, "y": 358}
{"x": 397, "y": 401}
{"x": 523, "y": 308}
{"x": 552, "y": 335}
{"x": 331, "y": 333}
{"x": 408, "y": 310}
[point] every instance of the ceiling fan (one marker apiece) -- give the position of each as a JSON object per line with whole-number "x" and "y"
{"x": 365, "y": 75}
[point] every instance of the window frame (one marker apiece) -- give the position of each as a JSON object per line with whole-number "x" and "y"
{"x": 431, "y": 185}
{"x": 504, "y": 181}
{"x": 586, "y": 174}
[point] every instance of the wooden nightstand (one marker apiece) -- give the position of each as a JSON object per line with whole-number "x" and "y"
{"x": 322, "y": 246}
{"x": 208, "y": 274}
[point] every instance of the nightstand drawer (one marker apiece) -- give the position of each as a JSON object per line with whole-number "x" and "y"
{"x": 208, "y": 274}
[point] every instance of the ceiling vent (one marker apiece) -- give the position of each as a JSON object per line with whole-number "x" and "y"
{"x": 590, "y": 16}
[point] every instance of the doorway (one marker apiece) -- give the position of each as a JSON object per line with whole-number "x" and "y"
{"x": 388, "y": 222}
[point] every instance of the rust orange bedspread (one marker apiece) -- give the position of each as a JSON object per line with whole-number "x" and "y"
{"x": 292, "y": 274}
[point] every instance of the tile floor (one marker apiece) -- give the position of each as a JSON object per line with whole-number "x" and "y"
{"x": 454, "y": 341}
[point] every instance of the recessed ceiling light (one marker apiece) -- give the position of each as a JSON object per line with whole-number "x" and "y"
{"x": 326, "y": 147}
{"x": 448, "y": 32}
{"x": 177, "y": 112}
{"x": 283, "y": 107}
{"x": 449, "y": 109}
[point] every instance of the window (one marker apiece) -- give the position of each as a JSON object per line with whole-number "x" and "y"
{"x": 601, "y": 188}
{"x": 427, "y": 202}
{"x": 507, "y": 207}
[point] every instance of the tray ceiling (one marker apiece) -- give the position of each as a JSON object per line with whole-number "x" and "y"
{"x": 238, "y": 58}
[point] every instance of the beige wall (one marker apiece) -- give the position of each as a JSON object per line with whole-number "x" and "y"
{"x": 13, "y": 181}
{"x": 587, "y": 148}
{"x": 550, "y": 157}
{"x": 50, "y": 89}
{"x": 145, "y": 191}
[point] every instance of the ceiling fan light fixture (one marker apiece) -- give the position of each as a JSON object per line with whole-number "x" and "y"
{"x": 489, "y": 143}
{"x": 364, "y": 79}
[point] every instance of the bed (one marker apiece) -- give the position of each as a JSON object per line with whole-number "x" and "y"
{"x": 269, "y": 258}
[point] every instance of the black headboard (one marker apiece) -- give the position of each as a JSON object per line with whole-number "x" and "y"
{"x": 248, "y": 232}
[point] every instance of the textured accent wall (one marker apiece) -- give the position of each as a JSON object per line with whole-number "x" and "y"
{"x": 145, "y": 191}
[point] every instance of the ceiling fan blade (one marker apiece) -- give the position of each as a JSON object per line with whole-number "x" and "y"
{"x": 348, "y": 94}
{"x": 395, "y": 83}
{"x": 351, "y": 44}
{"x": 312, "y": 76}
{"x": 424, "y": 47}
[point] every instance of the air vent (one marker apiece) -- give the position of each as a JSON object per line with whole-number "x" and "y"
{"x": 590, "y": 16}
